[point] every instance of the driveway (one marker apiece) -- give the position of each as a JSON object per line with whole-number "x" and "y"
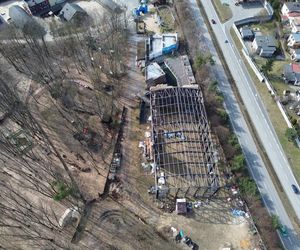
{"x": 244, "y": 10}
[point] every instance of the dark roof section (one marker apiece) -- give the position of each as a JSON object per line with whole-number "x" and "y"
{"x": 293, "y": 6}
{"x": 289, "y": 74}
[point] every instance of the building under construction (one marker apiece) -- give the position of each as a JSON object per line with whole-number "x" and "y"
{"x": 183, "y": 149}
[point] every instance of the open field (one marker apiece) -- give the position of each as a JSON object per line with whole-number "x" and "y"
{"x": 224, "y": 11}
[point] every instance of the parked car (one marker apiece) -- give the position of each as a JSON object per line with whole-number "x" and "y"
{"x": 283, "y": 231}
{"x": 295, "y": 189}
{"x": 213, "y": 21}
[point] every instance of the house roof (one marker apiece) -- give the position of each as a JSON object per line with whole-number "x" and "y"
{"x": 293, "y": 6}
{"x": 288, "y": 73}
{"x": 19, "y": 16}
{"x": 265, "y": 41}
{"x": 154, "y": 71}
{"x": 296, "y": 51}
{"x": 292, "y": 72}
{"x": 295, "y": 68}
{"x": 70, "y": 9}
{"x": 246, "y": 31}
{"x": 293, "y": 14}
{"x": 296, "y": 36}
{"x": 296, "y": 20}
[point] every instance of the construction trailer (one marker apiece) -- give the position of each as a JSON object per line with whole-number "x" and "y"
{"x": 184, "y": 153}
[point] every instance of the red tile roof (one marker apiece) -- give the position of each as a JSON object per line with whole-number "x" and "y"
{"x": 296, "y": 68}
{"x": 293, "y": 14}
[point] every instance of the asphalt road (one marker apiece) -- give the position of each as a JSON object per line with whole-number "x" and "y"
{"x": 259, "y": 118}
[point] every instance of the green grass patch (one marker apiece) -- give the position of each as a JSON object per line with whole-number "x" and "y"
{"x": 224, "y": 12}
{"x": 267, "y": 28}
{"x": 62, "y": 190}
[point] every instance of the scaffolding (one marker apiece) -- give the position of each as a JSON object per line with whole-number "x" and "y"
{"x": 183, "y": 149}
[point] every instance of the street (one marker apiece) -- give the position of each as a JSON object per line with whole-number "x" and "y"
{"x": 260, "y": 120}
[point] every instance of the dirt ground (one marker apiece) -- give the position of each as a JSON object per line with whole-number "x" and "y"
{"x": 89, "y": 168}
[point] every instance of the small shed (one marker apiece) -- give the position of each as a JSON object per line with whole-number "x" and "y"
{"x": 154, "y": 75}
{"x": 181, "y": 206}
{"x": 247, "y": 33}
{"x": 140, "y": 27}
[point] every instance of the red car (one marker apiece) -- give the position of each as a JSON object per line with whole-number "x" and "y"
{"x": 213, "y": 21}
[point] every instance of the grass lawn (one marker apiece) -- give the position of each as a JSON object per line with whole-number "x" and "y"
{"x": 267, "y": 28}
{"x": 224, "y": 11}
{"x": 291, "y": 150}
{"x": 275, "y": 76}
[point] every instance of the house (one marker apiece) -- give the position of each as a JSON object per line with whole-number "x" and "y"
{"x": 158, "y": 45}
{"x": 19, "y": 17}
{"x": 38, "y": 7}
{"x": 154, "y": 75}
{"x": 290, "y": 7}
{"x": 42, "y": 7}
{"x": 293, "y": 40}
{"x": 265, "y": 46}
{"x": 295, "y": 54}
{"x": 295, "y": 24}
{"x": 56, "y": 5}
{"x": 247, "y": 33}
{"x": 291, "y": 73}
{"x": 72, "y": 11}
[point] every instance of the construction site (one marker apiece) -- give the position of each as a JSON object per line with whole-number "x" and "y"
{"x": 118, "y": 151}
{"x": 183, "y": 149}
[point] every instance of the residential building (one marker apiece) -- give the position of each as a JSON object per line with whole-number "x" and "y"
{"x": 247, "y": 33}
{"x": 38, "y": 7}
{"x": 287, "y": 18}
{"x": 72, "y": 11}
{"x": 154, "y": 75}
{"x": 265, "y": 46}
{"x": 290, "y": 7}
{"x": 291, "y": 73}
{"x": 158, "y": 45}
{"x": 293, "y": 40}
{"x": 19, "y": 17}
{"x": 42, "y": 7}
{"x": 295, "y": 54}
{"x": 295, "y": 24}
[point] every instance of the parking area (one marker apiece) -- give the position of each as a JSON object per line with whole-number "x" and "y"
{"x": 245, "y": 10}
